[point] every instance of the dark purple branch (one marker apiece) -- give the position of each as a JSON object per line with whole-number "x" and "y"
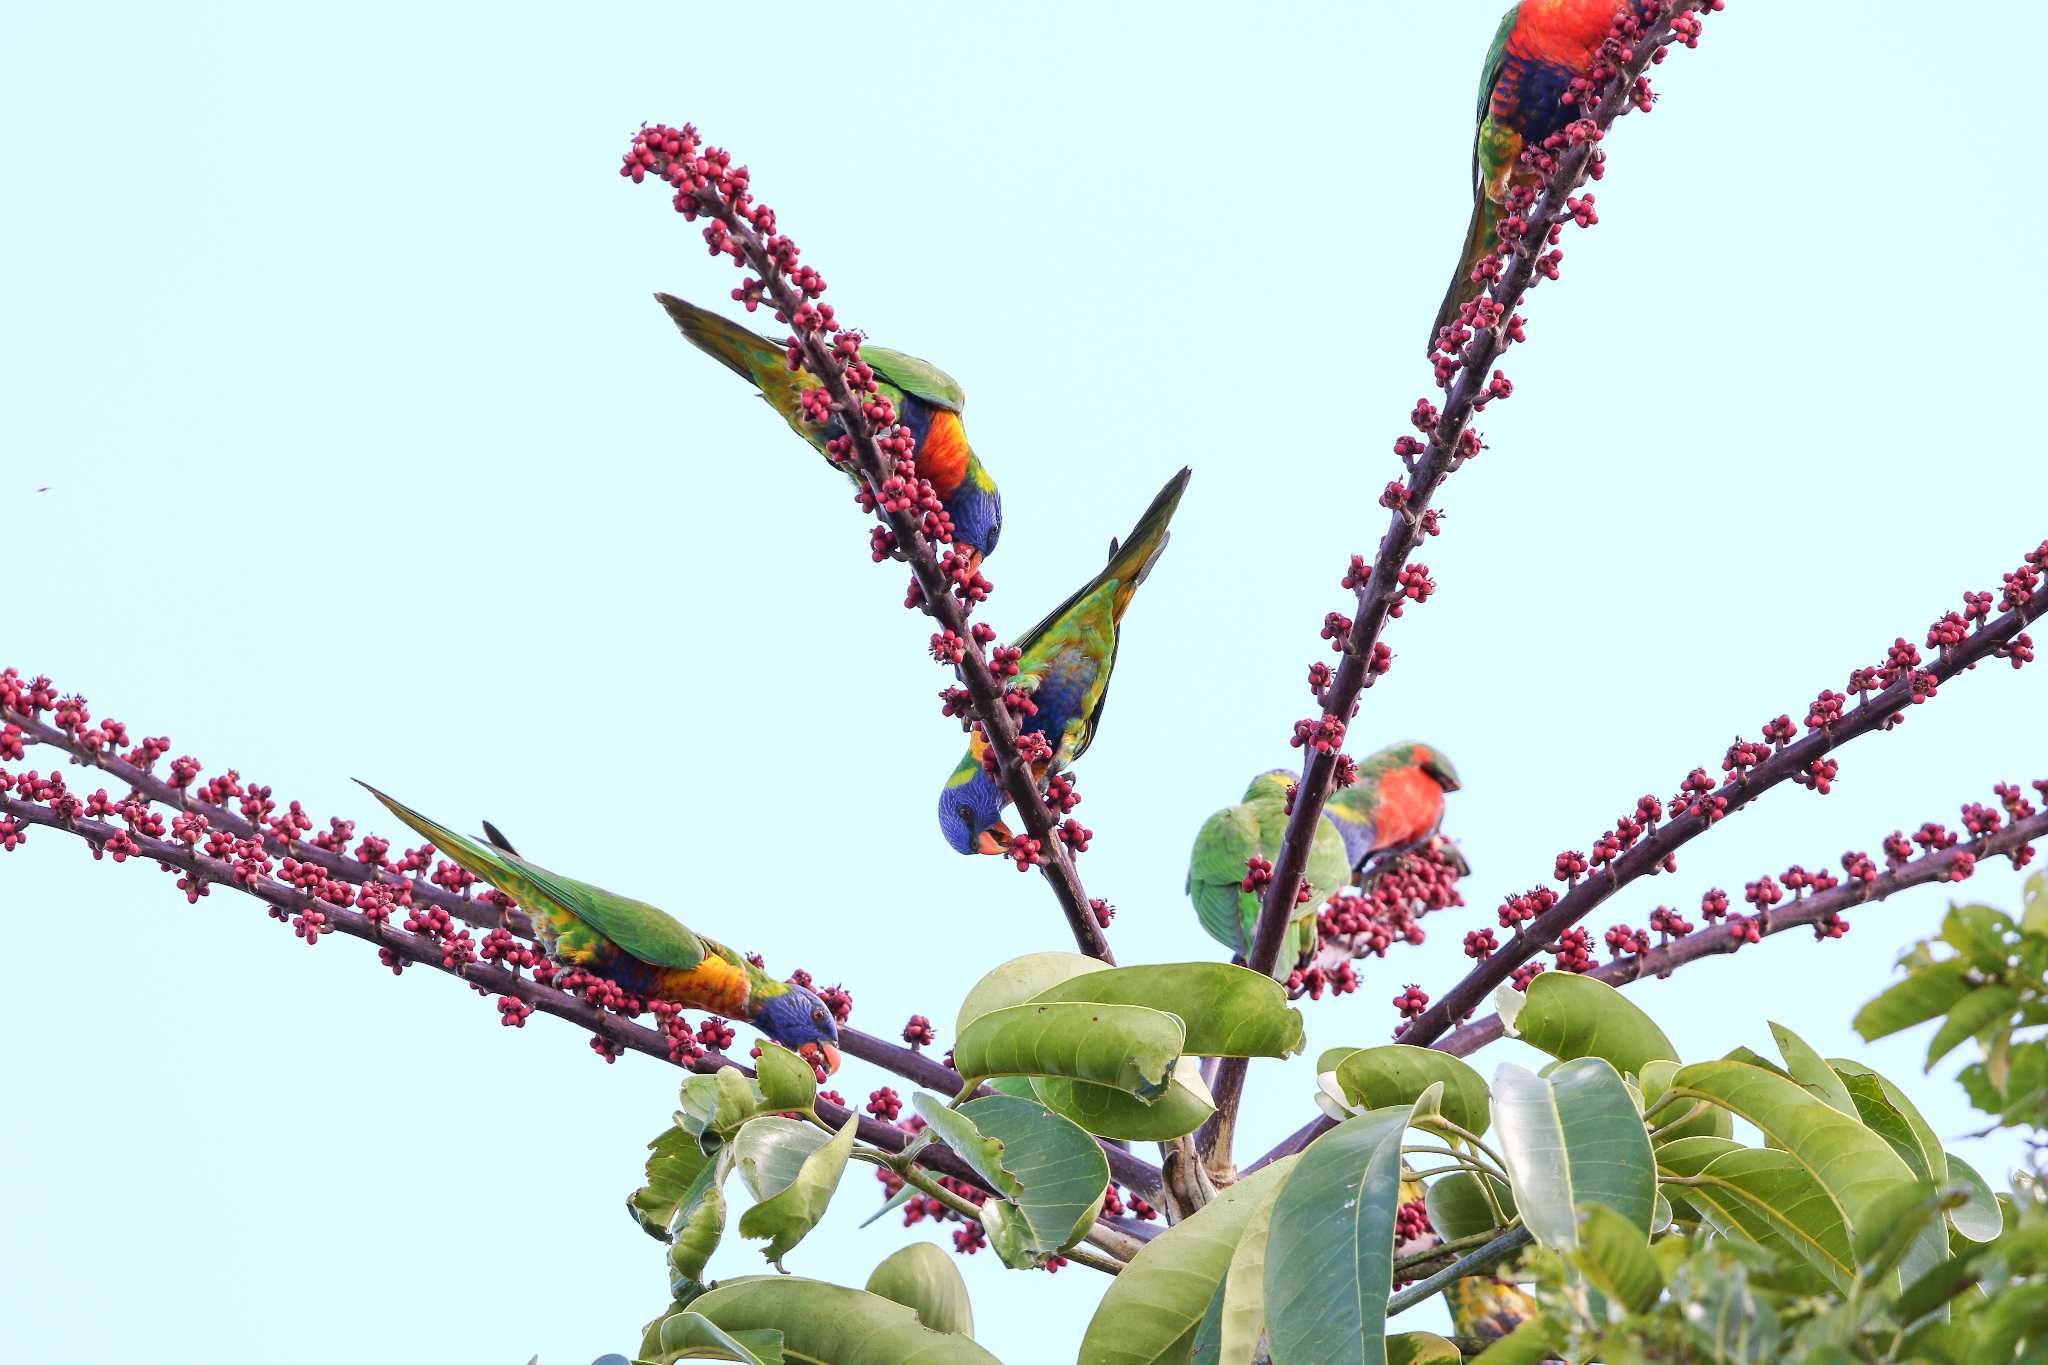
{"x": 494, "y": 979}
{"x": 1808, "y": 910}
{"x": 984, "y": 689}
{"x": 1382, "y": 591}
{"x": 1935, "y": 866}
{"x": 1656, "y": 847}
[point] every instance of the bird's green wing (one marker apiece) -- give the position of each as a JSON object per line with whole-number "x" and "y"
{"x": 651, "y": 935}
{"x": 1216, "y": 873}
{"x": 1496, "y": 57}
{"x": 1328, "y": 866}
{"x": 918, "y": 378}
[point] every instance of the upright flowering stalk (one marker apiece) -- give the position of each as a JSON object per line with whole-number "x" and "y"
{"x": 1442, "y": 443}
{"x": 882, "y": 452}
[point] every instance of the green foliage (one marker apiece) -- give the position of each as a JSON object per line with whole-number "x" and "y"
{"x": 1571, "y": 1016}
{"x": 1376, "y": 1077}
{"x": 793, "y": 1171}
{"x": 1125, "y": 1047}
{"x": 1049, "y": 1176}
{"x": 927, "y": 1281}
{"x": 1572, "y": 1139}
{"x": 829, "y": 1322}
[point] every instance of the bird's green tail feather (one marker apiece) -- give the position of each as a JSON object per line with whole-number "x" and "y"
{"x": 1129, "y": 560}
{"x": 1480, "y": 239}
{"x": 753, "y": 358}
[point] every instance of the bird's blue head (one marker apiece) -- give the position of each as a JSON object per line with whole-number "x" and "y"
{"x": 971, "y": 810}
{"x": 977, "y": 513}
{"x": 803, "y": 1023}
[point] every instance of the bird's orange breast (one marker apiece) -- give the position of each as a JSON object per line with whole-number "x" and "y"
{"x": 713, "y": 984}
{"x": 1411, "y": 805}
{"x": 942, "y": 455}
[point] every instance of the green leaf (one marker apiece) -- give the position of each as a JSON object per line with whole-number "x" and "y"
{"x": 1333, "y": 1057}
{"x": 1422, "y": 1348}
{"x": 1982, "y": 1008}
{"x": 1923, "y": 995}
{"x": 1768, "y": 1198}
{"x": 1109, "y": 1113}
{"x": 1979, "y": 1218}
{"x": 1153, "y": 1308}
{"x": 1207, "y": 1346}
{"x": 786, "y": 1080}
{"x": 697, "y": 1228}
{"x": 2034, "y": 900}
{"x": 1125, "y": 1047}
{"x": 713, "y": 1107}
{"x": 1242, "y": 1313}
{"x": 683, "y": 1334}
{"x": 1018, "y": 980}
{"x": 792, "y": 1201}
{"x": 1061, "y": 1174}
{"x": 1330, "y": 1254}
{"x": 691, "y": 1336}
{"x": 672, "y": 1167}
{"x": 1571, "y": 1016}
{"x": 828, "y": 1322}
{"x": 1978, "y": 933}
{"x": 1728, "y": 1318}
{"x": 1656, "y": 1083}
{"x": 1570, "y": 1139}
{"x": 1814, "y": 1075}
{"x": 1378, "y": 1077}
{"x": 1227, "y": 1011}
{"x": 984, "y": 1154}
{"x": 1886, "y": 1111}
{"x": 1533, "y": 1342}
{"x": 927, "y": 1281}
{"x": 1616, "y": 1258}
{"x": 1852, "y": 1163}
{"x": 1894, "y": 1221}
{"x": 1688, "y": 1157}
{"x": 1458, "y": 1207}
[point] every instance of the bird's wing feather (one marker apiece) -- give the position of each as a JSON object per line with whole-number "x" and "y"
{"x": 1216, "y": 872}
{"x": 639, "y": 929}
{"x": 1489, "y": 76}
{"x": 918, "y": 378}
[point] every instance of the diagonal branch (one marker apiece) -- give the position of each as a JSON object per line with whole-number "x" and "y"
{"x": 1937, "y": 866}
{"x": 724, "y": 197}
{"x": 1472, "y": 384}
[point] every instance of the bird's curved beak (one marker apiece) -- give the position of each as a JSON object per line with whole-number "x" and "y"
{"x": 995, "y": 839}
{"x": 822, "y": 1054}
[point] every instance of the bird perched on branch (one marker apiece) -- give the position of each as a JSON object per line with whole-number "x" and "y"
{"x": 925, "y": 398}
{"x": 1539, "y": 49}
{"x": 1227, "y": 894}
{"x": 1396, "y": 803}
{"x": 1064, "y": 669}
{"x": 640, "y": 948}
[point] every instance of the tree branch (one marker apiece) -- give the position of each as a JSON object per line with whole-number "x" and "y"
{"x": 725, "y": 198}
{"x": 1470, "y": 384}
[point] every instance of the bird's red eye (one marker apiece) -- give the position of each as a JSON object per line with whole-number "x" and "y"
{"x": 817, "y": 1016}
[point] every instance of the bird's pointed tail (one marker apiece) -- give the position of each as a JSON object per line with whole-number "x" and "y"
{"x": 1132, "y": 558}
{"x": 1480, "y": 238}
{"x": 752, "y": 357}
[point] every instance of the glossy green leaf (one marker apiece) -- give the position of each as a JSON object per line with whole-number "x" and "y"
{"x": 1018, "y": 980}
{"x": 673, "y": 1163}
{"x": 689, "y": 1335}
{"x": 1330, "y": 1254}
{"x": 1227, "y": 1011}
{"x": 1379, "y": 1077}
{"x": 1852, "y": 1163}
{"x": 1422, "y": 1348}
{"x": 1688, "y": 1157}
{"x": 983, "y": 1153}
{"x": 1330, "y": 1058}
{"x": 1184, "y": 1107}
{"x": 713, "y": 1107}
{"x": 697, "y": 1228}
{"x": 1925, "y": 994}
{"x": 1769, "y": 1198}
{"x": 786, "y": 1080}
{"x": 1983, "y": 1008}
{"x": 792, "y": 1200}
{"x": 1125, "y": 1047}
{"x": 1979, "y": 1218}
{"x": 1615, "y": 1257}
{"x": 1669, "y": 1122}
{"x": 1241, "y": 1315}
{"x": 1812, "y": 1073}
{"x": 1886, "y": 1111}
{"x": 1206, "y": 1347}
{"x": 1894, "y": 1222}
{"x": 1153, "y": 1308}
{"x": 1571, "y": 1139}
{"x": 927, "y": 1281}
{"x": 1978, "y": 933}
{"x": 1532, "y": 1343}
{"x": 1569, "y": 1016}
{"x": 1458, "y": 1208}
{"x": 828, "y": 1322}
{"x": 1060, "y": 1171}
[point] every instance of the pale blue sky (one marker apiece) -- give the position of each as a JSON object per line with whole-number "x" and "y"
{"x": 369, "y": 455}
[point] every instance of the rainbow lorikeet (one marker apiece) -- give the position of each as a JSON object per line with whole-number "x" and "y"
{"x": 640, "y": 948}
{"x": 1253, "y": 829}
{"x": 925, "y": 397}
{"x": 1397, "y": 801}
{"x": 1065, "y": 668}
{"x": 1540, "y": 48}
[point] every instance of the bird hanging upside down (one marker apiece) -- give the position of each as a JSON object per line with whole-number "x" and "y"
{"x": 1064, "y": 668}
{"x": 1541, "y": 47}
{"x": 641, "y": 949}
